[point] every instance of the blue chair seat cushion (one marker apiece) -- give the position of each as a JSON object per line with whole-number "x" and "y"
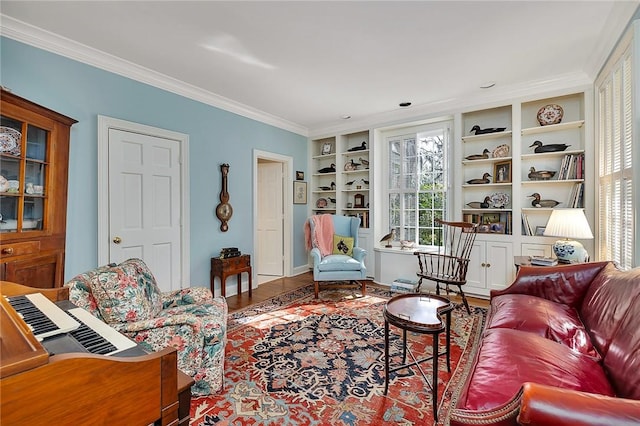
{"x": 339, "y": 262}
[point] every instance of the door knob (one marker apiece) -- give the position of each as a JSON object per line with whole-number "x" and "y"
{"x": 117, "y": 240}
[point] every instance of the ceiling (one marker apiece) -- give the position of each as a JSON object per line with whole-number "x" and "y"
{"x": 303, "y": 65}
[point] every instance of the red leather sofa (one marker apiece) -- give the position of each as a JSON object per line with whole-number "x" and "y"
{"x": 561, "y": 346}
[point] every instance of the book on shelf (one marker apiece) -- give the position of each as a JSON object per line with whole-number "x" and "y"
{"x": 543, "y": 261}
{"x": 526, "y": 226}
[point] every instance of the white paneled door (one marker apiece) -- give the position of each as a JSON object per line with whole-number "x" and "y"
{"x": 270, "y": 219}
{"x": 144, "y": 203}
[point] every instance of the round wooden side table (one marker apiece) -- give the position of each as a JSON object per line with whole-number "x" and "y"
{"x": 419, "y": 313}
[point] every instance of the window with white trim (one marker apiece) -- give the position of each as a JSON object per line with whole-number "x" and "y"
{"x": 614, "y": 116}
{"x": 417, "y": 185}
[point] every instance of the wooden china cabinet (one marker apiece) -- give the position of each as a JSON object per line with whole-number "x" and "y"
{"x": 34, "y": 158}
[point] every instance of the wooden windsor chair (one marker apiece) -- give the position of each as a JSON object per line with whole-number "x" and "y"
{"x": 448, "y": 267}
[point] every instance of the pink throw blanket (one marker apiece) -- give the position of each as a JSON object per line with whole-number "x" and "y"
{"x": 322, "y": 237}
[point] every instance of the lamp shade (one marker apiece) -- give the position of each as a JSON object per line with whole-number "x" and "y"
{"x": 569, "y": 224}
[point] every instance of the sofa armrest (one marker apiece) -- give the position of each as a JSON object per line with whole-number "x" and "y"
{"x": 186, "y": 296}
{"x": 548, "y": 405}
{"x": 564, "y": 284}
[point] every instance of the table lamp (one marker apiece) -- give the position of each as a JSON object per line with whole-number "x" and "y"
{"x": 569, "y": 224}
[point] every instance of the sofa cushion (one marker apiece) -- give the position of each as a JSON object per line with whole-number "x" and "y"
{"x": 339, "y": 262}
{"x": 606, "y": 302}
{"x": 126, "y": 292}
{"x": 507, "y": 358}
{"x": 555, "y": 321}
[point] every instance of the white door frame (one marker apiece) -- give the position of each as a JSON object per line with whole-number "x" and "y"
{"x": 106, "y": 123}
{"x": 287, "y": 163}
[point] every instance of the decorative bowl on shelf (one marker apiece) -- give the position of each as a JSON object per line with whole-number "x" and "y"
{"x": 501, "y": 151}
{"x": 10, "y": 140}
{"x": 499, "y": 200}
{"x": 321, "y": 203}
{"x": 550, "y": 114}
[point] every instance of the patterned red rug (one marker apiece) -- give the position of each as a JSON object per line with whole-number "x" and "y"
{"x": 296, "y": 360}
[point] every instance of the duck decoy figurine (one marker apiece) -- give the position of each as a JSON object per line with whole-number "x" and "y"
{"x": 350, "y": 182}
{"x": 479, "y": 131}
{"x": 364, "y": 162}
{"x": 485, "y": 154}
{"x": 540, "y": 174}
{"x": 552, "y": 147}
{"x": 330, "y": 169}
{"x": 388, "y": 238}
{"x": 324, "y": 188}
{"x": 484, "y": 179}
{"x": 362, "y": 147}
{"x": 366, "y": 182}
{"x": 333, "y": 200}
{"x": 481, "y": 204}
{"x": 537, "y": 202}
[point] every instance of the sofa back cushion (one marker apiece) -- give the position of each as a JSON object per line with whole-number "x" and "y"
{"x": 80, "y": 290}
{"x": 606, "y": 303}
{"x": 126, "y": 292}
{"x": 622, "y": 362}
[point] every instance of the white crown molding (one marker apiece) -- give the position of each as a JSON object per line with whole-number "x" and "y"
{"x": 481, "y": 99}
{"x": 42, "y": 39}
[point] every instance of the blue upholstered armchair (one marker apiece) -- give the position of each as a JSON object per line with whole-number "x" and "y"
{"x": 336, "y": 256}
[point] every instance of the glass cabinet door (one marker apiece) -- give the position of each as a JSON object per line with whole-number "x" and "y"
{"x": 23, "y": 173}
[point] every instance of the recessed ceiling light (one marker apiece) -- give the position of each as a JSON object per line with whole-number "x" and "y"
{"x": 488, "y": 85}
{"x": 345, "y": 117}
{"x": 404, "y": 104}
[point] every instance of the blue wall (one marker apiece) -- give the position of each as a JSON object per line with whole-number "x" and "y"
{"x": 215, "y": 136}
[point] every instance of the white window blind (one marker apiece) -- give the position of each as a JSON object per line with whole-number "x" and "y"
{"x": 615, "y": 168}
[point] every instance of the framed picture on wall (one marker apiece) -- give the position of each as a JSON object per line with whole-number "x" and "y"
{"x": 299, "y": 175}
{"x": 299, "y": 192}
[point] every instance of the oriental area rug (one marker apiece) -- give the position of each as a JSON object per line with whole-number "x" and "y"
{"x": 296, "y": 360}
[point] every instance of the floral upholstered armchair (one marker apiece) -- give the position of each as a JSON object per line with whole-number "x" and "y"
{"x": 126, "y": 297}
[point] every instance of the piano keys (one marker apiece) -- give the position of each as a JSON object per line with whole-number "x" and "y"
{"x": 42, "y": 315}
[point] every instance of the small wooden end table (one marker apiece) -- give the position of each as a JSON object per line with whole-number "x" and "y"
{"x": 223, "y": 268}
{"x": 419, "y": 313}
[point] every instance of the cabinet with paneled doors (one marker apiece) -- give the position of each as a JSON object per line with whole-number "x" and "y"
{"x": 34, "y": 154}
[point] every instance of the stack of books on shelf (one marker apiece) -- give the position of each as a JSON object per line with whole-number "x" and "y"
{"x": 403, "y": 285}
{"x": 543, "y": 261}
{"x": 572, "y": 167}
{"x": 575, "y": 199}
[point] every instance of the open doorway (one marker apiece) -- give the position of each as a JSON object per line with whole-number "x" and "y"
{"x": 272, "y": 216}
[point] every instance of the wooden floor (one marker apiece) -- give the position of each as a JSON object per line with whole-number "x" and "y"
{"x": 283, "y": 285}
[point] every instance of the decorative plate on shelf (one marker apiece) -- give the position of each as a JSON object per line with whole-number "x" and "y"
{"x": 550, "y": 114}
{"x": 501, "y": 151}
{"x": 321, "y": 203}
{"x": 499, "y": 200}
{"x": 10, "y": 140}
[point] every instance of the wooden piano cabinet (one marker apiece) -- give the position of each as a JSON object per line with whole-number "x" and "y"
{"x": 83, "y": 389}
{"x": 224, "y": 268}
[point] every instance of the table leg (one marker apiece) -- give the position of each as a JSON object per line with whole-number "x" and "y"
{"x": 404, "y": 346}
{"x": 448, "y": 340}
{"x": 434, "y": 390}
{"x": 239, "y": 283}
{"x": 250, "y": 285}
{"x": 386, "y": 357}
